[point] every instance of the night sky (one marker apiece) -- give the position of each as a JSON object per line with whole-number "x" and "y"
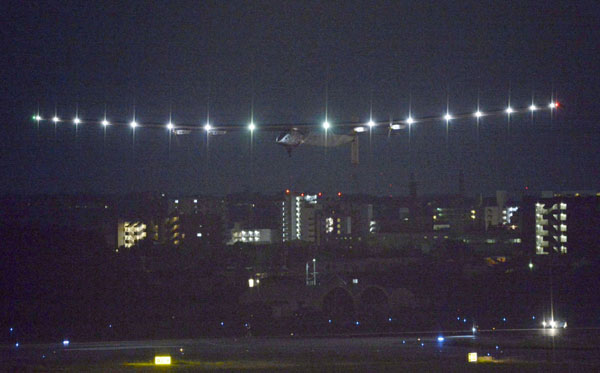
{"x": 181, "y": 56}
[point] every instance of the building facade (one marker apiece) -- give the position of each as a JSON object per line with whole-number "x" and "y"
{"x": 562, "y": 224}
{"x": 131, "y": 232}
{"x": 299, "y": 217}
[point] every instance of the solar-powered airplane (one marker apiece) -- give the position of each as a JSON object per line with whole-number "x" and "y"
{"x": 293, "y": 135}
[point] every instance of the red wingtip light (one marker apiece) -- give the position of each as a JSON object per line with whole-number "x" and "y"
{"x": 287, "y": 191}
{"x": 339, "y": 194}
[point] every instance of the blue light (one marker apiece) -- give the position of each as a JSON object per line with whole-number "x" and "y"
{"x": 504, "y": 319}
{"x": 390, "y": 319}
{"x": 17, "y": 344}
{"x": 357, "y": 323}
{"x": 403, "y": 342}
{"x": 11, "y": 329}
{"x": 329, "y": 321}
{"x": 66, "y": 342}
{"x": 458, "y": 318}
{"x": 533, "y": 317}
{"x": 422, "y": 344}
{"x": 441, "y": 339}
{"x": 222, "y": 323}
{"x": 464, "y": 320}
{"x": 110, "y": 325}
{"x": 497, "y": 347}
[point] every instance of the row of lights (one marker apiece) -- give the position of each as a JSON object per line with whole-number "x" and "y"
{"x": 326, "y": 124}
{"x": 132, "y": 124}
{"x": 448, "y": 117}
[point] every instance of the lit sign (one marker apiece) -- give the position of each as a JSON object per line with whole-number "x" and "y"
{"x": 162, "y": 360}
{"x": 472, "y": 357}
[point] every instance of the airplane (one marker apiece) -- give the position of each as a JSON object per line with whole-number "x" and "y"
{"x": 293, "y": 135}
{"x": 307, "y": 134}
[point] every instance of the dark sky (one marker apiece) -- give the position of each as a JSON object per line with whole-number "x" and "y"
{"x": 181, "y": 55}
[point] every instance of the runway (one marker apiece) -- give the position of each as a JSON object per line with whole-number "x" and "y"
{"x": 515, "y": 349}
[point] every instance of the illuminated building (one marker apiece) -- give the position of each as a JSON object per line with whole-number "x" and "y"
{"x": 550, "y": 227}
{"x": 299, "y": 217}
{"x": 193, "y": 221}
{"x": 254, "y": 236}
{"x": 562, "y": 223}
{"x": 314, "y": 218}
{"x": 338, "y": 224}
{"x": 454, "y": 214}
{"x": 172, "y": 232}
{"x": 346, "y": 220}
{"x": 131, "y": 232}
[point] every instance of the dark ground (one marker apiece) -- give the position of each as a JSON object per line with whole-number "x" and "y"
{"x": 571, "y": 350}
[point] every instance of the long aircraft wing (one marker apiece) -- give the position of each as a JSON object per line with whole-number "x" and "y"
{"x": 356, "y": 126}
